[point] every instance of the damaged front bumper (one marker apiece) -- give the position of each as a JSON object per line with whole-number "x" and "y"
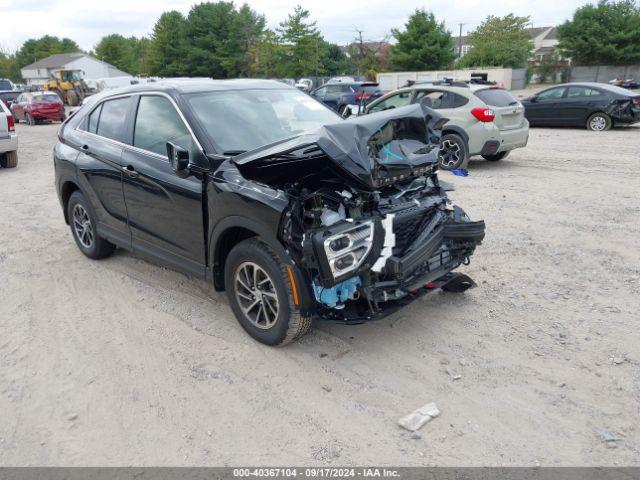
{"x": 367, "y": 223}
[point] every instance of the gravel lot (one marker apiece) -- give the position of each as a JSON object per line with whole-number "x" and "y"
{"x": 121, "y": 362}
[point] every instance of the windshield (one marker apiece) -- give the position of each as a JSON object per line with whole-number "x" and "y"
{"x": 238, "y": 121}
{"x": 496, "y": 97}
{"x": 6, "y": 85}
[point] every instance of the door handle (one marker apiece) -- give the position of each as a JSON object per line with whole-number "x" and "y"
{"x": 129, "y": 170}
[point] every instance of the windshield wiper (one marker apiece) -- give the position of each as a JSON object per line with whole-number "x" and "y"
{"x": 232, "y": 153}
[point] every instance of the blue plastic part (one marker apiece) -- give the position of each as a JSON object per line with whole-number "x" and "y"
{"x": 337, "y": 294}
{"x": 460, "y": 172}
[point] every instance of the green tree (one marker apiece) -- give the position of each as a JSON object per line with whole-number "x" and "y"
{"x": 220, "y": 39}
{"x": 333, "y": 60}
{"x": 167, "y": 47}
{"x": 267, "y": 56}
{"x": 499, "y": 42}
{"x": 118, "y": 51}
{"x": 140, "y": 50}
{"x": 604, "y": 34}
{"x": 300, "y": 42}
{"x": 36, "y": 49}
{"x": 9, "y": 66}
{"x": 425, "y": 44}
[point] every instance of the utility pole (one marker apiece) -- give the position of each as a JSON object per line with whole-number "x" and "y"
{"x": 460, "y": 42}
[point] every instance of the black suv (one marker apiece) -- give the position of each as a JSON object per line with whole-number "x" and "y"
{"x": 274, "y": 198}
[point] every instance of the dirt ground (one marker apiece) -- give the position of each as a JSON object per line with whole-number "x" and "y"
{"x": 120, "y": 362}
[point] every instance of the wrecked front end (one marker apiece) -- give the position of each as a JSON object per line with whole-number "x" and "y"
{"x": 367, "y": 222}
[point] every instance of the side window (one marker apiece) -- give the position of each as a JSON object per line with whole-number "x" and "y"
{"x": 321, "y": 91}
{"x": 158, "y": 122}
{"x": 92, "y": 121}
{"x": 551, "y": 94}
{"x": 398, "y": 100}
{"x": 112, "y": 118}
{"x": 432, "y": 99}
{"x": 579, "y": 92}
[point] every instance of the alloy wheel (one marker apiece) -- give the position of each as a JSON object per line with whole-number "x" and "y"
{"x": 82, "y": 226}
{"x": 449, "y": 154}
{"x": 256, "y": 295}
{"x": 598, "y": 123}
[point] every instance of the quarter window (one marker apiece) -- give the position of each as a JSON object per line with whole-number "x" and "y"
{"x": 439, "y": 100}
{"x": 112, "y": 118}
{"x": 158, "y": 122}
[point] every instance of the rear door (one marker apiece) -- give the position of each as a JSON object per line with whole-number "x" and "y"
{"x": 165, "y": 211}
{"x": 578, "y": 103}
{"x": 17, "y": 108}
{"x": 509, "y": 112}
{"x": 99, "y": 139}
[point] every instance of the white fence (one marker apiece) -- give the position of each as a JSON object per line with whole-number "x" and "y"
{"x": 511, "y": 78}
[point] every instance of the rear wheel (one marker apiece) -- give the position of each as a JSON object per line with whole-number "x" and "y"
{"x": 599, "y": 122}
{"x": 83, "y": 228}
{"x": 453, "y": 152}
{"x": 261, "y": 295}
{"x": 496, "y": 157}
{"x": 9, "y": 159}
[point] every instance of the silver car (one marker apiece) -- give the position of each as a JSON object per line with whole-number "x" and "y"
{"x": 8, "y": 139}
{"x": 483, "y": 119}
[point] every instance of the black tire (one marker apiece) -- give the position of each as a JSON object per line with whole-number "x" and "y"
{"x": 72, "y": 98}
{"x": 454, "y": 153}
{"x": 60, "y": 94}
{"x": 28, "y": 119}
{"x": 9, "y": 159}
{"x": 98, "y": 247}
{"x": 342, "y": 110}
{"x": 496, "y": 157}
{"x": 288, "y": 324}
{"x": 599, "y": 122}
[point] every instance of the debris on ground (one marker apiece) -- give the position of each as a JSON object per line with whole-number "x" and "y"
{"x": 326, "y": 388}
{"x": 453, "y": 374}
{"x": 416, "y": 419}
{"x": 609, "y": 436}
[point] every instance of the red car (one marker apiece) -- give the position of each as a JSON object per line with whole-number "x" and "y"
{"x": 34, "y": 107}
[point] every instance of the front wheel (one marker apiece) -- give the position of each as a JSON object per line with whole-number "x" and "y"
{"x": 260, "y": 293}
{"x": 599, "y": 122}
{"x": 453, "y": 152}
{"x": 29, "y": 119}
{"x": 83, "y": 228}
{"x": 495, "y": 157}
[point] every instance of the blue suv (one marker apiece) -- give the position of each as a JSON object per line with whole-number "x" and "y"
{"x": 342, "y": 96}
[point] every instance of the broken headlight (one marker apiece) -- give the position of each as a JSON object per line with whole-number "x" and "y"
{"x": 347, "y": 250}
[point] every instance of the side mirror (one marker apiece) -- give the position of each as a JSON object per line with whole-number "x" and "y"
{"x": 533, "y": 99}
{"x": 179, "y": 159}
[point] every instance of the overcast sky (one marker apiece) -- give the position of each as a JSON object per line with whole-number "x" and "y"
{"x": 88, "y": 20}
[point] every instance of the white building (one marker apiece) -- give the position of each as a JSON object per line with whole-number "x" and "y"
{"x": 544, "y": 41}
{"x": 39, "y": 72}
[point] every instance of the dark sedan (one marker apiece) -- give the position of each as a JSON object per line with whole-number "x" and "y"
{"x": 597, "y": 106}
{"x": 342, "y": 96}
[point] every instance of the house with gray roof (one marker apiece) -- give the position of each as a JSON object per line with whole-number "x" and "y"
{"x": 39, "y": 72}
{"x": 544, "y": 41}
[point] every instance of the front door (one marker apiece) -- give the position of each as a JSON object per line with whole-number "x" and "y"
{"x": 165, "y": 211}
{"x": 543, "y": 110}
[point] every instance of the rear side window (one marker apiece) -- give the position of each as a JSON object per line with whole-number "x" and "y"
{"x": 112, "y": 118}
{"x": 496, "y": 97}
{"x": 158, "y": 122}
{"x": 440, "y": 100}
{"x": 580, "y": 92}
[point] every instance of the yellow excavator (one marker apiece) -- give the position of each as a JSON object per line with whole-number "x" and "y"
{"x": 69, "y": 86}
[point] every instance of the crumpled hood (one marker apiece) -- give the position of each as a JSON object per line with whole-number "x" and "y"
{"x": 374, "y": 149}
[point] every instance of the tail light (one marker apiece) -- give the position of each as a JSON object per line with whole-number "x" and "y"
{"x": 10, "y": 123}
{"x": 483, "y": 114}
{"x": 361, "y": 95}
{"x": 636, "y": 100}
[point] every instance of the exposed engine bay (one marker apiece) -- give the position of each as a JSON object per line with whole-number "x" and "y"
{"x": 367, "y": 220}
